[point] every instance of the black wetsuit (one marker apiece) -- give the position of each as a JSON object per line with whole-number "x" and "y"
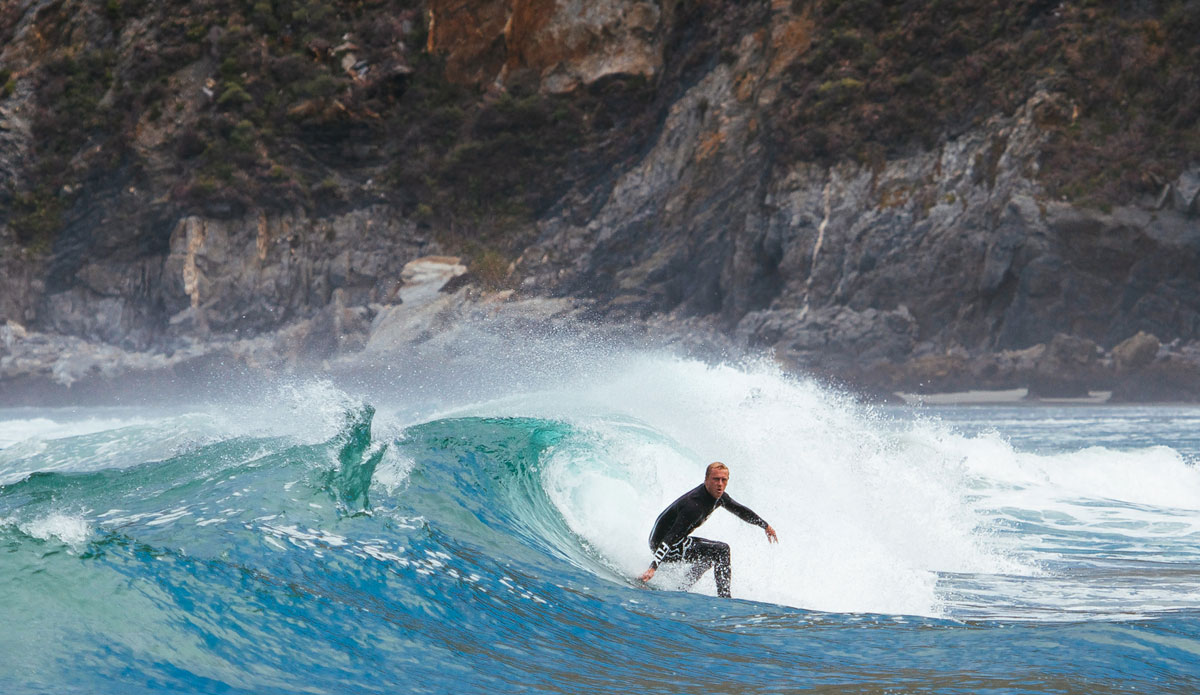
{"x": 671, "y": 543}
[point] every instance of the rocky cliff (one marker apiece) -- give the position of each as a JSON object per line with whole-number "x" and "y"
{"x": 897, "y": 196}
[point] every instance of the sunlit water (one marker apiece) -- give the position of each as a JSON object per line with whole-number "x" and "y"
{"x": 326, "y": 541}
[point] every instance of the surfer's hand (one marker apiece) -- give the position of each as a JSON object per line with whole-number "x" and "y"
{"x": 647, "y": 574}
{"x": 771, "y": 537}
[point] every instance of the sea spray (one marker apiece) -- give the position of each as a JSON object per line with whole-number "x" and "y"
{"x": 867, "y": 515}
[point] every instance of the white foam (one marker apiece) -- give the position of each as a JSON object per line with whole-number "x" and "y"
{"x": 393, "y": 470}
{"x": 867, "y": 516}
{"x": 1156, "y": 476}
{"x": 66, "y": 442}
{"x": 874, "y": 513}
{"x": 42, "y": 429}
{"x": 68, "y": 528}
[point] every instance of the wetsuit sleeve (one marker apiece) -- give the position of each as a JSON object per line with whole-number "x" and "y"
{"x": 742, "y": 512}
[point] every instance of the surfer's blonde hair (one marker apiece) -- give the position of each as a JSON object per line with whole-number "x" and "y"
{"x": 715, "y": 466}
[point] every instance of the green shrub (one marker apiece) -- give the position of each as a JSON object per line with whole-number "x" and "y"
{"x": 322, "y": 86}
{"x": 842, "y": 86}
{"x": 230, "y": 68}
{"x": 234, "y": 95}
{"x": 263, "y": 16}
{"x": 243, "y": 136}
{"x": 197, "y": 31}
{"x": 490, "y": 269}
{"x": 37, "y": 219}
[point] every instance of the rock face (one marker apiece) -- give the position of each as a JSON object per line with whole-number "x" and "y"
{"x": 21, "y": 272}
{"x": 848, "y": 269}
{"x": 236, "y": 277}
{"x": 1136, "y": 352}
{"x": 558, "y": 44}
{"x": 257, "y": 273}
{"x": 947, "y": 265}
{"x": 1170, "y": 380}
{"x": 1065, "y": 369}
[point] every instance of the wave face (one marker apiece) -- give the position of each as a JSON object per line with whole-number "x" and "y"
{"x": 317, "y": 542}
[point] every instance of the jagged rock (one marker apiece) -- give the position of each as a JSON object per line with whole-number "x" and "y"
{"x": 21, "y": 282}
{"x": 934, "y": 373}
{"x": 258, "y": 273}
{"x": 564, "y": 43}
{"x": 1168, "y": 199}
{"x": 1169, "y": 380}
{"x": 1136, "y": 351}
{"x": 21, "y": 272}
{"x": 423, "y": 278}
{"x": 1066, "y": 369}
{"x": 839, "y": 339}
{"x": 423, "y": 308}
{"x": 10, "y": 333}
{"x": 335, "y": 329}
{"x": 1006, "y": 369}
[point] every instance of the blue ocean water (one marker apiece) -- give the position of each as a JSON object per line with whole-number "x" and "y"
{"x": 331, "y": 540}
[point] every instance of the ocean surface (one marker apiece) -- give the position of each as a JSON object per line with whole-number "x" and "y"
{"x": 314, "y": 537}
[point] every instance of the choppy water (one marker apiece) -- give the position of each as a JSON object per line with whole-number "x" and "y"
{"x": 321, "y": 541}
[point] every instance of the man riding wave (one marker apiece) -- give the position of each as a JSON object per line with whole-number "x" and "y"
{"x": 670, "y": 541}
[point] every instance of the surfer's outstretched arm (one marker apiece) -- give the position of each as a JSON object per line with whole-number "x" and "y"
{"x": 748, "y": 515}
{"x": 648, "y": 574}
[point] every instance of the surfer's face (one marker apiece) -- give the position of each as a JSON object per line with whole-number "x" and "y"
{"x": 716, "y": 481}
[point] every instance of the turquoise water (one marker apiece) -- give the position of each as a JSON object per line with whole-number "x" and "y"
{"x": 328, "y": 541}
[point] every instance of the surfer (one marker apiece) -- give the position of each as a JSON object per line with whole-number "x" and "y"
{"x": 670, "y": 541}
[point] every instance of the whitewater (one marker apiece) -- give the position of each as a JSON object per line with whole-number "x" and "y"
{"x": 482, "y": 530}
